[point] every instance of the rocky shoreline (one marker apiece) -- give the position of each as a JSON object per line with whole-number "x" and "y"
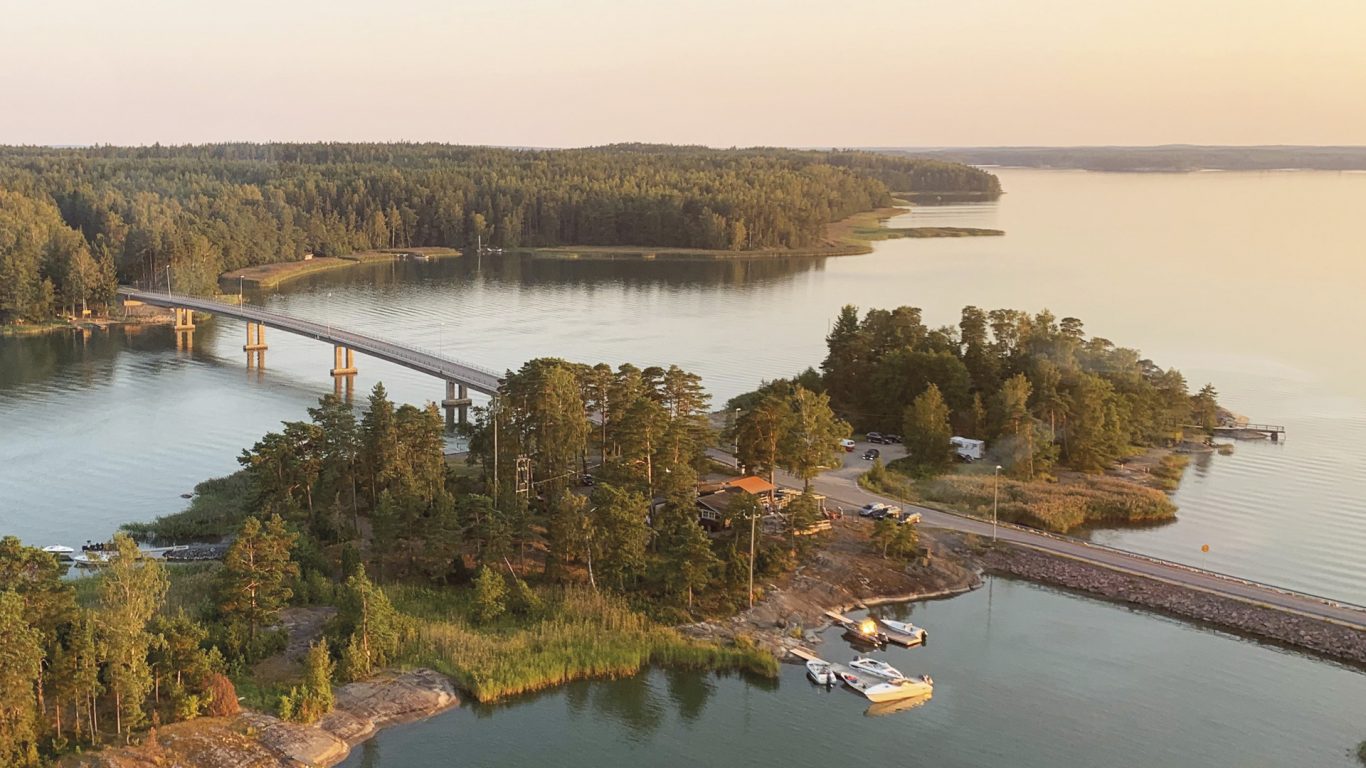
{"x": 1322, "y": 638}
{"x": 254, "y": 740}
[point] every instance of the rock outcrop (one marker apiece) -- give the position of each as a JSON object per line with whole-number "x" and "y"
{"x": 254, "y": 740}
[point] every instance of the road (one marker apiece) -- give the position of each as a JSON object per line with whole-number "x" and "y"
{"x": 841, "y": 487}
{"x": 476, "y": 378}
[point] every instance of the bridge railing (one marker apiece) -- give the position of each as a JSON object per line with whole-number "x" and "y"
{"x": 320, "y": 331}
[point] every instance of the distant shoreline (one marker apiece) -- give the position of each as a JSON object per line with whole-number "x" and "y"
{"x": 269, "y": 276}
{"x": 850, "y": 236}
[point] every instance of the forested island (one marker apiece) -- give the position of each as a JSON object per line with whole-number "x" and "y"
{"x": 1049, "y": 401}
{"x": 75, "y": 222}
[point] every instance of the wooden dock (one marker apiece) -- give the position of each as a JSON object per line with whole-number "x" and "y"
{"x": 880, "y": 631}
{"x": 1273, "y": 431}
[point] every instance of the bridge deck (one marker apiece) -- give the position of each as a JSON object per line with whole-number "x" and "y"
{"x": 479, "y": 379}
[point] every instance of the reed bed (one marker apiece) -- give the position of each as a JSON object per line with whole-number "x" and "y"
{"x": 1058, "y": 507}
{"x": 577, "y": 634}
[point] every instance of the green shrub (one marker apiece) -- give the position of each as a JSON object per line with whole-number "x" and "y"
{"x": 490, "y": 596}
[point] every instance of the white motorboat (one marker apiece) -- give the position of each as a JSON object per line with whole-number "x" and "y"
{"x": 820, "y": 672}
{"x": 893, "y": 690}
{"x": 877, "y": 668}
{"x": 60, "y": 552}
{"x": 910, "y": 631}
{"x": 92, "y": 559}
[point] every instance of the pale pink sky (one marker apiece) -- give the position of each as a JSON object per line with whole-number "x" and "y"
{"x": 780, "y": 72}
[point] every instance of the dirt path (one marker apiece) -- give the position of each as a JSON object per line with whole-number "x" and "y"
{"x": 304, "y": 625}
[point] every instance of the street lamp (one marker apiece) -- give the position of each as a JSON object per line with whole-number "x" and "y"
{"x": 735, "y": 425}
{"x": 995, "y": 502}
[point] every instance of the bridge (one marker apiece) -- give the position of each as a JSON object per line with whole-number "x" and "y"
{"x": 460, "y": 377}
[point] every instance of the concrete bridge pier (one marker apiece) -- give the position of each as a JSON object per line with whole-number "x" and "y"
{"x": 343, "y": 370}
{"x": 457, "y": 403}
{"x": 256, "y": 345}
{"x": 339, "y": 368}
{"x": 184, "y": 329}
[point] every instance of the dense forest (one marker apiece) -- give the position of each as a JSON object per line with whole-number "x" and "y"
{"x": 74, "y": 221}
{"x": 1034, "y": 386}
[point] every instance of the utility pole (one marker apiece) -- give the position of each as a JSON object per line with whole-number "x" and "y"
{"x": 995, "y": 502}
{"x": 168, "y": 278}
{"x": 493, "y": 408}
{"x": 752, "y": 520}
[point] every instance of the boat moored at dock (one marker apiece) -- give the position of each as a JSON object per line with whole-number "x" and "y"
{"x": 820, "y": 672}
{"x": 878, "y": 691}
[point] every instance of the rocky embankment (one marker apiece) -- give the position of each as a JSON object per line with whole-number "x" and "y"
{"x": 1324, "y": 638}
{"x": 253, "y": 740}
{"x": 845, "y": 573}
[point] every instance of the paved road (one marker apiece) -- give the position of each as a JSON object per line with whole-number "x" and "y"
{"x": 841, "y": 487}
{"x": 476, "y": 378}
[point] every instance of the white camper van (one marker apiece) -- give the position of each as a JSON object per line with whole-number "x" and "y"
{"x": 967, "y": 449}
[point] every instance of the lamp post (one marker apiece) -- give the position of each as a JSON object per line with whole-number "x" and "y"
{"x": 735, "y": 425}
{"x": 995, "y": 502}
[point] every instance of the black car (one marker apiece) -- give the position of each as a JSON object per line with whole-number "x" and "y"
{"x": 871, "y": 453}
{"x": 876, "y": 437}
{"x": 892, "y": 439}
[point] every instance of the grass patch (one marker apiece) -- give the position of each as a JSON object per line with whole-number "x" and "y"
{"x": 577, "y": 634}
{"x": 1169, "y": 470}
{"x": 1361, "y": 752}
{"x": 1058, "y": 507}
{"x": 218, "y": 508}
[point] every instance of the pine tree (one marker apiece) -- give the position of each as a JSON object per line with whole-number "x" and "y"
{"x": 254, "y": 582}
{"x": 373, "y": 626}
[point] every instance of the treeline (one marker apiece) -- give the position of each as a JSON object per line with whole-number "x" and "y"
{"x": 1034, "y": 386}
{"x": 204, "y": 210}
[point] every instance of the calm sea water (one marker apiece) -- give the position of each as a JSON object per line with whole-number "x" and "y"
{"x": 1024, "y": 677}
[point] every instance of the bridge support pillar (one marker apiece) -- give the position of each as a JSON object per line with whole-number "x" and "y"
{"x": 457, "y": 403}
{"x": 184, "y": 319}
{"x": 184, "y": 329}
{"x": 256, "y": 345}
{"x": 343, "y": 362}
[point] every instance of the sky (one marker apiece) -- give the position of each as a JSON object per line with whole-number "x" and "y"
{"x": 740, "y": 72}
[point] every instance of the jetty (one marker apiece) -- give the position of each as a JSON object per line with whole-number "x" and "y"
{"x": 876, "y": 630}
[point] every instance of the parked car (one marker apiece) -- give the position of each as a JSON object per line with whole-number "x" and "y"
{"x": 869, "y": 510}
{"x": 848, "y": 445}
{"x": 887, "y": 510}
{"x": 892, "y": 439}
{"x": 871, "y": 453}
{"x": 875, "y": 437}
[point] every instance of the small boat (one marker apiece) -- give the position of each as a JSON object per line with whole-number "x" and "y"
{"x": 93, "y": 559}
{"x": 893, "y": 690}
{"x": 877, "y": 668}
{"x": 898, "y": 630}
{"x": 60, "y": 552}
{"x": 820, "y": 672}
